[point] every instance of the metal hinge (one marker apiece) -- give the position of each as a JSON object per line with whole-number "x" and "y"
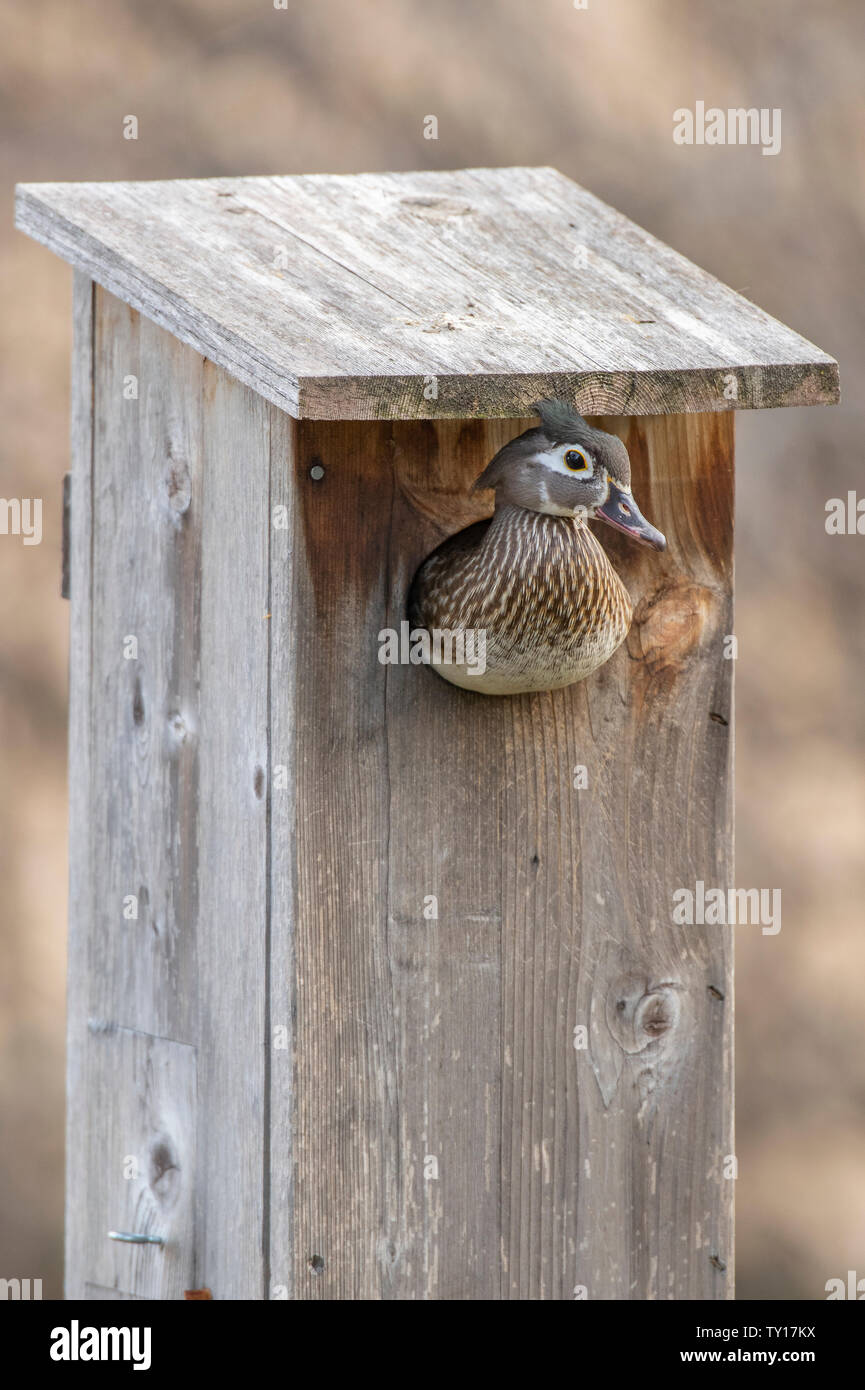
{"x": 64, "y": 572}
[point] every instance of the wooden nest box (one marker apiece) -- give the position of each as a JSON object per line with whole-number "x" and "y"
{"x": 375, "y": 987}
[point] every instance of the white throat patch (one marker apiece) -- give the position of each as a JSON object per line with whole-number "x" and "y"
{"x": 551, "y": 508}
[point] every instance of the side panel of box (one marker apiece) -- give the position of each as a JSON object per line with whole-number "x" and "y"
{"x": 168, "y": 919}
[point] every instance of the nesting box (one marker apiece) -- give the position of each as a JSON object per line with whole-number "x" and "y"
{"x": 375, "y": 987}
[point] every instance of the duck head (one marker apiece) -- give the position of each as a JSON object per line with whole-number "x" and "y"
{"x": 565, "y": 467}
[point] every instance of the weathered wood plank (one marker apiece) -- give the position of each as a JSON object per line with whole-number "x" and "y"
{"x": 169, "y": 741}
{"x": 627, "y": 1196}
{"x": 451, "y": 1038}
{"x": 145, "y": 650}
{"x": 648, "y": 1105}
{"x": 286, "y": 749}
{"x": 397, "y": 1048}
{"x": 143, "y": 1149}
{"x": 81, "y": 828}
{"x": 444, "y": 854}
{"x": 232, "y": 839}
{"x": 347, "y": 1159}
{"x": 137, "y": 561}
{"x": 338, "y": 296}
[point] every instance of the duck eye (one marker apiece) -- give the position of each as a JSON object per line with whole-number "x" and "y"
{"x": 576, "y": 461}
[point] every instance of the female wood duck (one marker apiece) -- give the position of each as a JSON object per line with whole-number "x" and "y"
{"x": 531, "y": 589}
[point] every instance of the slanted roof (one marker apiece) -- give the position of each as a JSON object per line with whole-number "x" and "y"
{"x": 340, "y": 296}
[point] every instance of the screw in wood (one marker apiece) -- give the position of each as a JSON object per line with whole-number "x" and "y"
{"x": 135, "y": 1238}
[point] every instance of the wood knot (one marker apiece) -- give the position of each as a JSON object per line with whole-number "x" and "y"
{"x": 639, "y": 1014}
{"x": 638, "y": 1028}
{"x": 180, "y": 727}
{"x": 668, "y": 624}
{"x": 434, "y": 208}
{"x": 137, "y": 703}
{"x": 164, "y": 1175}
{"x": 178, "y": 488}
{"x": 180, "y": 732}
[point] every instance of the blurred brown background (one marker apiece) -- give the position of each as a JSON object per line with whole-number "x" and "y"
{"x": 226, "y": 87}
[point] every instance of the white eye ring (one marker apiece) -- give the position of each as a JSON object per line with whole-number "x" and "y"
{"x": 576, "y": 461}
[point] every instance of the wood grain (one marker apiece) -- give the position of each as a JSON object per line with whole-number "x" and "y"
{"x": 374, "y": 1099}
{"x": 232, "y": 925}
{"x": 337, "y": 297}
{"x": 286, "y": 749}
{"x": 169, "y": 655}
{"x": 144, "y": 1149}
{"x": 385, "y": 1158}
{"x": 614, "y": 1182}
{"x": 81, "y": 829}
{"x": 452, "y": 1039}
{"x": 146, "y": 655}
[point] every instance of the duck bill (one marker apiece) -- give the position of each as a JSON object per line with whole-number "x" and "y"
{"x": 620, "y": 510}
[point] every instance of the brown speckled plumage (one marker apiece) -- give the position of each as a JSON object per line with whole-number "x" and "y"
{"x": 540, "y": 587}
{"x": 533, "y": 579}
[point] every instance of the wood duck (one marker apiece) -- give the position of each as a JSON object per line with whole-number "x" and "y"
{"x": 531, "y": 588}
